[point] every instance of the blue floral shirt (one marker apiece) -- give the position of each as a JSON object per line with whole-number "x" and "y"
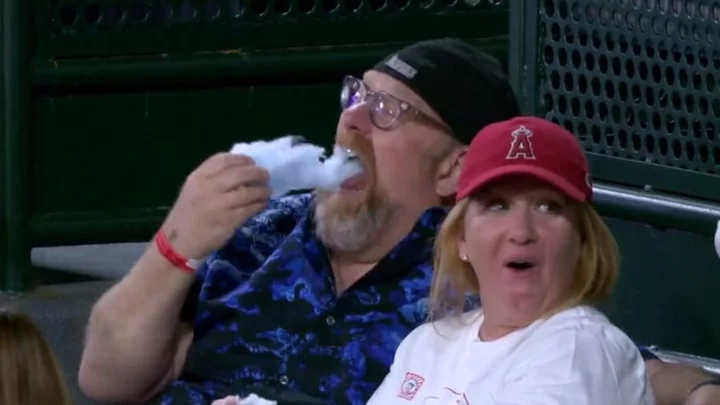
{"x": 267, "y": 312}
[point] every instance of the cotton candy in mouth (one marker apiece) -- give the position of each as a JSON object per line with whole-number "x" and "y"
{"x": 342, "y": 165}
{"x": 295, "y": 164}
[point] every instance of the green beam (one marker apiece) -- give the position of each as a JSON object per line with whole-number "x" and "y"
{"x": 15, "y": 106}
{"x": 204, "y": 67}
{"x": 656, "y": 209}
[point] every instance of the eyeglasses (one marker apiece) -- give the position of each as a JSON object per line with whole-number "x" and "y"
{"x": 386, "y": 111}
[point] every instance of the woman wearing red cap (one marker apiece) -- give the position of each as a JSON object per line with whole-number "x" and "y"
{"x": 525, "y": 238}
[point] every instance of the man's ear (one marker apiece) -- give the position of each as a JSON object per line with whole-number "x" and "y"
{"x": 448, "y": 174}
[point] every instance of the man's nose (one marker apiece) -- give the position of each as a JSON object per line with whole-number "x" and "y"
{"x": 521, "y": 227}
{"x": 356, "y": 118}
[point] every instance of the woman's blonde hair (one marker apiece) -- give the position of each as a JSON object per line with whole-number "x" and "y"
{"x": 29, "y": 371}
{"x": 594, "y": 278}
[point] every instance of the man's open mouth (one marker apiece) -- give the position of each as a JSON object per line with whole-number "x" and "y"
{"x": 351, "y": 158}
{"x": 343, "y": 169}
{"x": 353, "y": 163}
{"x": 351, "y": 154}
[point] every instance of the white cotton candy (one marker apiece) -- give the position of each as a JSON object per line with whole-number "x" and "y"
{"x": 299, "y": 166}
{"x": 253, "y": 399}
{"x": 338, "y": 168}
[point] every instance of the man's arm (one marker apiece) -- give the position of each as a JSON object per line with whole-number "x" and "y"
{"x": 672, "y": 384}
{"x": 135, "y": 341}
{"x": 705, "y": 393}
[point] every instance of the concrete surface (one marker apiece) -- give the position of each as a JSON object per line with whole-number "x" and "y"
{"x": 103, "y": 261}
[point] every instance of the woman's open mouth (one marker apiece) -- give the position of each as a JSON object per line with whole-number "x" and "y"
{"x": 519, "y": 265}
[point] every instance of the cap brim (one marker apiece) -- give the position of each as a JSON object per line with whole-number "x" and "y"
{"x": 533, "y": 171}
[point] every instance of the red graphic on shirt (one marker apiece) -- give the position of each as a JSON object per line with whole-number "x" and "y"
{"x": 410, "y": 386}
{"x": 458, "y": 397}
{"x": 521, "y": 147}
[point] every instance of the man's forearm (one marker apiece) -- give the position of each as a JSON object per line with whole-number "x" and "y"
{"x": 707, "y": 393}
{"x": 133, "y": 331}
{"x": 672, "y": 382}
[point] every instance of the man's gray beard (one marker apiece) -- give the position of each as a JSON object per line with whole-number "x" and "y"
{"x": 349, "y": 233}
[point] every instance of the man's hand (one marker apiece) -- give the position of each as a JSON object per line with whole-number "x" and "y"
{"x": 705, "y": 395}
{"x": 229, "y": 400}
{"x": 135, "y": 343}
{"x": 219, "y": 196}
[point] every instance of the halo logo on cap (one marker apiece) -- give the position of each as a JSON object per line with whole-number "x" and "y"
{"x": 401, "y": 67}
{"x": 521, "y": 146}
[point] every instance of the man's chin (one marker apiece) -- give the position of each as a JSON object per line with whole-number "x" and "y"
{"x": 342, "y": 197}
{"x": 347, "y": 221}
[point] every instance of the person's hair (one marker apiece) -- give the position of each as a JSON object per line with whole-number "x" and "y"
{"x": 29, "y": 371}
{"x": 594, "y": 278}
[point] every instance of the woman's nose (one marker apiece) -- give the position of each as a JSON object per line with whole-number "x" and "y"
{"x": 521, "y": 226}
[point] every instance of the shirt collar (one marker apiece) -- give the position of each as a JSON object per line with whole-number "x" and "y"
{"x": 413, "y": 251}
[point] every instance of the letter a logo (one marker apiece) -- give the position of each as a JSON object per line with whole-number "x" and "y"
{"x": 521, "y": 147}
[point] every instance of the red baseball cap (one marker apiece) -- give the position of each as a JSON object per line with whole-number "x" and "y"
{"x": 531, "y": 146}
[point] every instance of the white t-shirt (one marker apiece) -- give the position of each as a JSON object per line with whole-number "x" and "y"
{"x": 576, "y": 357}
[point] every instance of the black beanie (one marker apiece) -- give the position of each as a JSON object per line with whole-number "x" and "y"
{"x": 464, "y": 85}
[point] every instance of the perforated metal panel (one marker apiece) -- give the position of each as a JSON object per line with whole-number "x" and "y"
{"x": 638, "y": 81}
{"x": 77, "y": 28}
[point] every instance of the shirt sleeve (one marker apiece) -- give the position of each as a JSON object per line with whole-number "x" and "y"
{"x": 579, "y": 367}
{"x": 251, "y": 244}
{"x": 190, "y": 305}
{"x": 647, "y": 354}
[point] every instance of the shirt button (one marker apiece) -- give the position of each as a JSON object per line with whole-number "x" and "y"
{"x": 330, "y": 320}
{"x": 284, "y": 380}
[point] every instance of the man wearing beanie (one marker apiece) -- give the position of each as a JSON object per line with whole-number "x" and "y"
{"x": 303, "y": 299}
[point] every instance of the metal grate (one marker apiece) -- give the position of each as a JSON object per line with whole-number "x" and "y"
{"x": 79, "y": 28}
{"x": 634, "y": 79}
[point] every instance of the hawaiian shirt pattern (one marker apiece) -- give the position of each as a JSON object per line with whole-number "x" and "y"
{"x": 267, "y": 312}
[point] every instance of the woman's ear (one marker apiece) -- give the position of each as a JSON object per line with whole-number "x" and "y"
{"x": 461, "y": 248}
{"x": 449, "y": 170}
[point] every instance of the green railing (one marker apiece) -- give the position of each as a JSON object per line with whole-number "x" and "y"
{"x": 658, "y": 210}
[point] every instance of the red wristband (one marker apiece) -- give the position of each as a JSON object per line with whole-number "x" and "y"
{"x": 173, "y": 256}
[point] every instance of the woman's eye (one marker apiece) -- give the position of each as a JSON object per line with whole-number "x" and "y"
{"x": 495, "y": 206}
{"x": 551, "y": 207}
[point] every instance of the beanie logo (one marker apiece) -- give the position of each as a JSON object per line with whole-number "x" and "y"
{"x": 521, "y": 146}
{"x": 401, "y": 67}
